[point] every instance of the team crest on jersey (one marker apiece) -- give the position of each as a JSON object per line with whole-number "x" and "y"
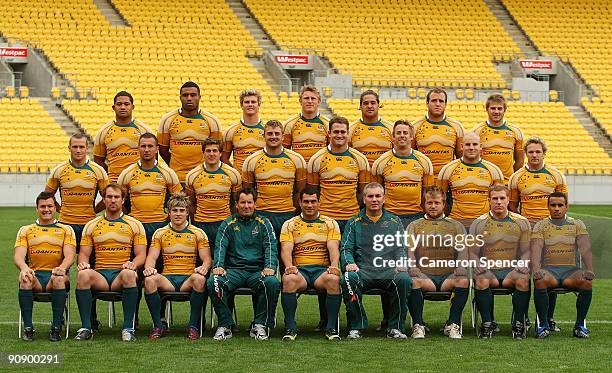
{"x": 237, "y": 228}
{"x": 122, "y": 228}
{"x": 189, "y": 238}
{"x": 449, "y": 131}
{"x": 321, "y": 127}
{"x": 385, "y": 224}
{"x": 159, "y": 177}
{"x": 509, "y": 134}
{"x": 255, "y": 230}
{"x": 287, "y": 163}
{"x": 352, "y": 163}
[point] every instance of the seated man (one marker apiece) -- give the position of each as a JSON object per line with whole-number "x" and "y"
{"x": 430, "y": 239}
{"x": 43, "y": 253}
{"x": 504, "y": 237}
{"x": 555, "y": 244}
{"x": 309, "y": 251}
{"x": 245, "y": 256}
{"x": 178, "y": 243}
{"x": 114, "y": 237}
{"x": 370, "y": 264}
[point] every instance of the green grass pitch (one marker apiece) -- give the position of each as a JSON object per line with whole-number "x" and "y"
{"x": 310, "y": 352}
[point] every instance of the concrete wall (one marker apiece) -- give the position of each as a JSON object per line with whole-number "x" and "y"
{"x": 36, "y": 74}
{"x": 565, "y": 81}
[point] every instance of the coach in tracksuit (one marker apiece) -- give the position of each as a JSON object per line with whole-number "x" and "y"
{"x": 368, "y": 263}
{"x": 245, "y": 256}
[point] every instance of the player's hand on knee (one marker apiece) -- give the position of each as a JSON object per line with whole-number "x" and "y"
{"x": 589, "y": 275}
{"x": 83, "y": 265}
{"x": 267, "y": 272}
{"x": 401, "y": 269}
{"x": 58, "y": 271}
{"x": 479, "y": 270}
{"x": 129, "y": 265}
{"x": 149, "y": 271}
{"x": 460, "y": 272}
{"x": 539, "y": 274}
{"x": 291, "y": 270}
{"x": 414, "y": 272}
{"x": 522, "y": 270}
{"x": 201, "y": 270}
{"x": 218, "y": 271}
{"x": 352, "y": 267}
{"x": 333, "y": 270}
{"x": 26, "y": 275}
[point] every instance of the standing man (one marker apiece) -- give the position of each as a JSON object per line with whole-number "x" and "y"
{"x": 178, "y": 243}
{"x": 245, "y": 137}
{"x": 505, "y": 238}
{"x": 210, "y": 187}
{"x": 310, "y": 253}
{"x": 306, "y": 132}
{"x": 116, "y": 143}
{"x": 557, "y": 243}
{"x": 405, "y": 173}
{"x": 113, "y": 236}
{"x": 425, "y": 250}
{"x": 340, "y": 173}
{"x": 278, "y": 175}
{"x": 367, "y": 265}
{"x": 502, "y": 142}
{"x": 370, "y": 135}
{"x": 181, "y": 132}
{"x": 245, "y": 256}
{"x": 437, "y": 136}
{"x": 466, "y": 182}
{"x": 44, "y": 251}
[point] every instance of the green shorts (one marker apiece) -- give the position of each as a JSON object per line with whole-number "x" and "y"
{"x": 561, "y": 272}
{"x": 177, "y": 280}
{"x": 407, "y": 219}
{"x": 78, "y": 233}
{"x": 43, "y": 277}
{"x": 311, "y": 273}
{"x": 438, "y": 280}
{"x": 211, "y": 229}
{"x": 109, "y": 275}
{"x": 500, "y": 274}
{"x": 150, "y": 229}
{"x": 277, "y": 219}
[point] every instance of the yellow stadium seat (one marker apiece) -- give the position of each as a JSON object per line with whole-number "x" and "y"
{"x": 459, "y": 94}
{"x": 469, "y": 94}
{"x": 56, "y": 92}
{"x": 24, "y": 91}
{"x": 10, "y": 91}
{"x": 553, "y": 95}
{"x": 516, "y": 95}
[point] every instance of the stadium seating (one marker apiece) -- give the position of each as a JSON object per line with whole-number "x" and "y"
{"x": 31, "y": 140}
{"x": 552, "y": 121}
{"x": 426, "y": 43}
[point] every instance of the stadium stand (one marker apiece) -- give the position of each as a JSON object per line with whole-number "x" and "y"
{"x": 31, "y": 140}
{"x": 549, "y": 120}
{"x": 395, "y": 43}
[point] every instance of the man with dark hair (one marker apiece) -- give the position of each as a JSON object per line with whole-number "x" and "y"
{"x": 181, "y": 132}
{"x": 370, "y": 135}
{"x": 44, "y": 251}
{"x": 116, "y": 143}
{"x": 557, "y": 245}
{"x": 245, "y": 256}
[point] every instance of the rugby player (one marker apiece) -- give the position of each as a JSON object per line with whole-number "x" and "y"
{"x": 245, "y": 256}
{"x": 182, "y": 131}
{"x": 278, "y": 175}
{"x": 113, "y": 237}
{"x": 310, "y": 254}
{"x": 340, "y": 172}
{"x": 366, "y": 267}
{"x": 502, "y": 141}
{"x": 557, "y": 243}
{"x": 437, "y": 136}
{"x": 247, "y": 136}
{"x": 44, "y": 251}
{"x": 305, "y": 133}
{"x": 444, "y": 248}
{"x": 370, "y": 135}
{"x": 116, "y": 143}
{"x": 178, "y": 243}
{"x": 505, "y": 237}
{"x": 466, "y": 182}
{"x": 210, "y": 187}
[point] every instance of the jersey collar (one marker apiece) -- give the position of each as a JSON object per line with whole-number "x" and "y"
{"x": 315, "y": 118}
{"x": 218, "y": 167}
{"x": 430, "y": 121}
{"x": 471, "y": 164}
{"x": 498, "y": 219}
{"x": 310, "y": 220}
{"x": 530, "y": 170}
{"x": 140, "y": 165}
{"x": 402, "y": 156}
{"x": 274, "y": 155}
{"x": 426, "y": 217}
{"x": 46, "y": 225}
{"x": 177, "y": 230}
{"x": 377, "y": 121}
{"x": 77, "y": 167}
{"x": 120, "y": 216}
{"x": 180, "y": 111}
{"x": 331, "y": 152}
{"x": 250, "y": 125}
{"x": 123, "y": 125}
{"x": 492, "y": 126}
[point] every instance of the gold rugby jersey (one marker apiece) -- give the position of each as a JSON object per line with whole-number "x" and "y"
{"x": 371, "y": 139}
{"x": 243, "y": 140}
{"x": 532, "y": 188}
{"x": 309, "y": 238}
{"x": 179, "y": 248}
{"x": 45, "y": 244}
{"x": 560, "y": 241}
{"x": 499, "y": 144}
{"x": 439, "y": 141}
{"x": 305, "y": 136}
{"x": 212, "y": 190}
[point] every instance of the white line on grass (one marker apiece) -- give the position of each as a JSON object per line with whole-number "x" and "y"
{"x": 591, "y": 216}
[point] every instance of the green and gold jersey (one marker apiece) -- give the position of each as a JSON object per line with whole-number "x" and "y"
{"x": 404, "y": 178}
{"x": 309, "y": 238}
{"x": 274, "y": 177}
{"x": 532, "y": 188}
{"x": 79, "y": 186}
{"x": 502, "y": 237}
{"x": 185, "y": 135}
{"x": 148, "y": 188}
{"x": 213, "y": 190}
{"x": 45, "y": 244}
{"x": 118, "y": 143}
{"x": 371, "y": 139}
{"x": 179, "y": 248}
{"x": 560, "y": 241}
{"x": 113, "y": 240}
{"x": 338, "y": 175}
{"x": 243, "y": 140}
{"x": 438, "y": 140}
{"x": 433, "y": 239}
{"x": 499, "y": 144}
{"x": 305, "y": 136}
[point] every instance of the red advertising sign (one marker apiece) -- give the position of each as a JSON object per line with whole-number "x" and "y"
{"x": 14, "y": 52}
{"x": 536, "y": 64}
{"x": 292, "y": 59}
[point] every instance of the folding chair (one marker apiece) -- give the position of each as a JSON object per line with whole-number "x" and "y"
{"x": 474, "y": 309}
{"x": 440, "y": 296}
{"x": 179, "y": 296}
{"x": 45, "y": 297}
{"x": 111, "y": 297}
